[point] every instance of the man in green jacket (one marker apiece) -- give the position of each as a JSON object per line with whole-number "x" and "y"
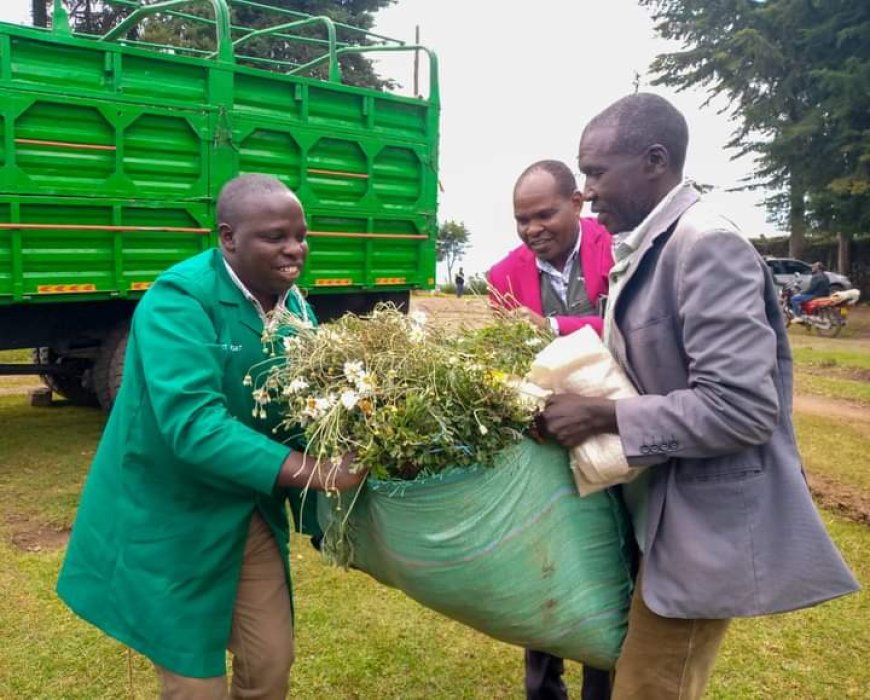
{"x": 179, "y": 547}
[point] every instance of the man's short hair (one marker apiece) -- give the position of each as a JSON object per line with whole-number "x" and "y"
{"x": 566, "y": 183}
{"x": 644, "y": 119}
{"x": 235, "y": 192}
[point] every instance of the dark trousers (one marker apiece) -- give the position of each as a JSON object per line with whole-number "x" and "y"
{"x": 544, "y": 679}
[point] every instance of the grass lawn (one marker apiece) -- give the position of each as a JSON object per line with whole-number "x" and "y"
{"x": 355, "y": 638}
{"x": 834, "y": 367}
{"x": 831, "y": 447}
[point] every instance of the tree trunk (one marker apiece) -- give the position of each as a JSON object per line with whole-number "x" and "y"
{"x": 39, "y": 13}
{"x": 844, "y": 263}
{"x": 797, "y": 223}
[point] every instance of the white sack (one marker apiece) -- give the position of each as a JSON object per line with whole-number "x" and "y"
{"x": 579, "y": 363}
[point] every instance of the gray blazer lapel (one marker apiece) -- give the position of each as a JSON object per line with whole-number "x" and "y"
{"x": 658, "y": 226}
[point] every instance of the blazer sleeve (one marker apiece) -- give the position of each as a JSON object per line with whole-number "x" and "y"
{"x": 569, "y": 324}
{"x": 731, "y": 402}
{"x": 184, "y": 369}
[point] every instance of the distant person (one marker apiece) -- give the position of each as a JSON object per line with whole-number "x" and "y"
{"x": 459, "y": 281}
{"x": 179, "y": 547}
{"x": 723, "y": 517}
{"x": 558, "y": 277}
{"x": 820, "y": 286}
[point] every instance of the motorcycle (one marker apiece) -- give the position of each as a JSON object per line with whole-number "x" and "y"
{"x": 826, "y": 314}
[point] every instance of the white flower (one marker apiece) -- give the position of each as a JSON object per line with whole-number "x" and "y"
{"x": 534, "y": 342}
{"x": 261, "y": 396}
{"x": 316, "y": 407}
{"x": 482, "y": 428}
{"x": 297, "y": 385}
{"x": 353, "y": 371}
{"x": 290, "y": 341}
{"x": 417, "y": 334}
{"x": 364, "y": 385}
{"x": 349, "y": 399}
{"x": 418, "y": 318}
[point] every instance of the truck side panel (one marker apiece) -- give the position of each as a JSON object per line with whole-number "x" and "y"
{"x": 111, "y": 158}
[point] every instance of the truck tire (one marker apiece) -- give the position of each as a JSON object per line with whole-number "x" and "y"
{"x": 109, "y": 365}
{"x": 76, "y": 386}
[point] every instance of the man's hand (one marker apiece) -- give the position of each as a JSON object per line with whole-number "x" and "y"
{"x": 341, "y": 478}
{"x": 535, "y": 319}
{"x": 302, "y": 471}
{"x": 571, "y": 419}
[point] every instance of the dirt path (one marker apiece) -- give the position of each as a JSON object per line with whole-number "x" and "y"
{"x": 831, "y": 408}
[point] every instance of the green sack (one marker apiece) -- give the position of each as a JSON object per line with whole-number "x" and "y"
{"x": 512, "y": 551}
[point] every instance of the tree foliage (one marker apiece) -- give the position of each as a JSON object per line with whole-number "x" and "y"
{"x": 453, "y": 239}
{"x": 98, "y": 16}
{"x": 796, "y": 74}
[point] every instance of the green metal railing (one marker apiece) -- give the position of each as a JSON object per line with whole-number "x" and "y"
{"x": 229, "y": 38}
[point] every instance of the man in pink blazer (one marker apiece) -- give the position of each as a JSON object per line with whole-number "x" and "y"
{"x": 557, "y": 277}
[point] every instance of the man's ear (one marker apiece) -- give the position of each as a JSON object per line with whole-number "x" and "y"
{"x": 226, "y": 237}
{"x": 577, "y": 201}
{"x": 657, "y": 160}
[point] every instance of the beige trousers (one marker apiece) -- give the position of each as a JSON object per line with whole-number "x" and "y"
{"x": 665, "y": 658}
{"x": 261, "y": 638}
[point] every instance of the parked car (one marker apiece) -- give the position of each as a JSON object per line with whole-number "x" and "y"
{"x": 785, "y": 269}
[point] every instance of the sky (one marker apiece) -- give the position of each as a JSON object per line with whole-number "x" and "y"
{"x": 519, "y": 81}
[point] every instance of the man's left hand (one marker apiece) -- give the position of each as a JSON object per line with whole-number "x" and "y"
{"x": 571, "y": 419}
{"x": 533, "y": 318}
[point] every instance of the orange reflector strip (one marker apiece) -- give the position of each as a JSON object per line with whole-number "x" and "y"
{"x": 338, "y": 282}
{"x": 431, "y": 280}
{"x": 139, "y": 286}
{"x": 100, "y": 227}
{"x": 337, "y": 173}
{"x": 65, "y": 288}
{"x": 390, "y": 280}
{"x": 339, "y": 234}
{"x": 67, "y": 144}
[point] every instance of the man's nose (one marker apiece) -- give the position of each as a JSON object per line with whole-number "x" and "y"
{"x": 294, "y": 249}
{"x": 589, "y": 193}
{"x": 533, "y": 228}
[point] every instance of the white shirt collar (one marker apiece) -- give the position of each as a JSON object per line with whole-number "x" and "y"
{"x": 280, "y": 305}
{"x": 545, "y": 266}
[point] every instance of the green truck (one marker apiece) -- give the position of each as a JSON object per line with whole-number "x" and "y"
{"x": 113, "y": 150}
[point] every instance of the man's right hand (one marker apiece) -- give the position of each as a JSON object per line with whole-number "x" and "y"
{"x": 342, "y": 478}
{"x": 301, "y": 470}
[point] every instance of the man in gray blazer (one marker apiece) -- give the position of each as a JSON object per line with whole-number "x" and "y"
{"x": 722, "y": 514}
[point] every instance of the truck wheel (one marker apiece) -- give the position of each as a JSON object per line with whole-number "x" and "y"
{"x": 76, "y": 385}
{"x": 109, "y": 365}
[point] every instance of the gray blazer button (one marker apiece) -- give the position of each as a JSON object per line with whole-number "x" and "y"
{"x": 644, "y": 449}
